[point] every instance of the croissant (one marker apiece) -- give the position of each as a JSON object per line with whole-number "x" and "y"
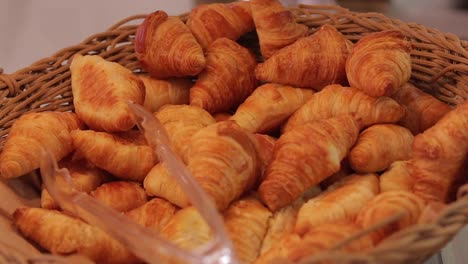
{"x": 342, "y": 200}
{"x": 30, "y": 134}
{"x": 265, "y": 145}
{"x": 269, "y": 106}
{"x": 386, "y": 205}
{"x": 155, "y": 214}
{"x": 397, "y": 177}
{"x": 335, "y": 99}
{"x": 223, "y": 160}
{"x": 165, "y": 47}
{"x": 310, "y": 62}
{"x": 294, "y": 248}
{"x": 101, "y": 90}
{"x": 63, "y": 234}
{"x": 439, "y": 155}
{"x": 223, "y": 116}
{"x": 345, "y": 171}
{"x": 162, "y": 92}
{"x": 379, "y": 63}
{"x": 423, "y": 110}
{"x": 120, "y": 195}
{"x": 372, "y": 153}
{"x": 119, "y": 154}
{"x": 227, "y": 79}
{"x": 246, "y": 224}
{"x": 85, "y": 177}
{"x": 214, "y": 21}
{"x": 305, "y": 156}
{"x": 276, "y": 26}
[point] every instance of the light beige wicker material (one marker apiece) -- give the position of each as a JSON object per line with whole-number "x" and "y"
{"x": 440, "y": 67}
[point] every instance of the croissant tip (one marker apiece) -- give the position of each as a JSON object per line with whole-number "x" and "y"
{"x": 9, "y": 169}
{"x": 19, "y": 213}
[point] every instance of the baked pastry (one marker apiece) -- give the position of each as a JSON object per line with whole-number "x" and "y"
{"x": 227, "y": 79}
{"x": 222, "y": 116}
{"x": 265, "y": 145}
{"x": 165, "y": 47}
{"x": 397, "y": 177}
{"x": 269, "y": 106}
{"x": 101, "y": 90}
{"x": 311, "y": 62}
{"x": 276, "y": 26}
{"x": 155, "y": 214}
{"x": 305, "y": 156}
{"x": 30, "y": 135}
{"x": 379, "y": 63}
{"x": 163, "y": 92}
{"x": 122, "y": 196}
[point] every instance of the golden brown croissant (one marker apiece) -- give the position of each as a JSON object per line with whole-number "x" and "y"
{"x": 335, "y": 99}
{"x": 295, "y": 248}
{"x": 423, "y": 110}
{"x": 387, "y": 205}
{"x": 246, "y": 223}
{"x": 269, "y": 106}
{"x": 162, "y": 92}
{"x": 276, "y": 27}
{"x": 342, "y": 200}
{"x": 313, "y": 62}
{"x": 397, "y": 177}
{"x": 119, "y": 154}
{"x": 372, "y": 151}
{"x": 85, "y": 177}
{"x": 265, "y": 145}
{"x": 214, "y": 21}
{"x": 223, "y": 160}
{"x": 439, "y": 155}
{"x": 227, "y": 79}
{"x": 101, "y": 91}
{"x": 165, "y": 47}
{"x": 305, "y": 156}
{"x": 155, "y": 214}
{"x": 120, "y": 195}
{"x": 63, "y": 234}
{"x": 379, "y": 63}
{"x": 30, "y": 134}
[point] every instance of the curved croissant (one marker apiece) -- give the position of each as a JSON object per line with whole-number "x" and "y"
{"x": 101, "y": 90}
{"x": 163, "y": 92}
{"x": 119, "y": 154}
{"x": 372, "y": 153}
{"x": 423, "y": 110}
{"x": 386, "y": 205}
{"x": 246, "y": 223}
{"x": 397, "y": 177}
{"x": 63, "y": 234}
{"x": 269, "y": 106}
{"x": 336, "y": 99}
{"x": 311, "y": 62}
{"x": 439, "y": 155}
{"x": 120, "y": 195}
{"x": 227, "y": 79}
{"x": 30, "y": 134}
{"x": 379, "y": 63}
{"x": 276, "y": 26}
{"x": 155, "y": 214}
{"x": 165, "y": 47}
{"x": 342, "y": 200}
{"x": 305, "y": 156}
{"x": 213, "y": 21}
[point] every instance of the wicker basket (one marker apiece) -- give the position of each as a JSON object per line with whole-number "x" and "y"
{"x": 439, "y": 63}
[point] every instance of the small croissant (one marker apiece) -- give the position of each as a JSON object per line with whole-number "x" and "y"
{"x": 155, "y": 214}
{"x": 124, "y": 155}
{"x": 311, "y": 62}
{"x": 30, "y": 135}
{"x": 397, "y": 177}
{"x": 62, "y": 234}
{"x": 101, "y": 90}
{"x": 276, "y": 26}
{"x": 305, "y": 156}
{"x": 336, "y": 99}
{"x": 163, "y": 92}
{"x": 227, "y": 79}
{"x": 122, "y": 196}
{"x": 269, "y": 106}
{"x": 213, "y": 21}
{"x": 379, "y": 63}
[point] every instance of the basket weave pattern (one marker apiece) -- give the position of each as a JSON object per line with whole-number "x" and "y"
{"x": 439, "y": 63}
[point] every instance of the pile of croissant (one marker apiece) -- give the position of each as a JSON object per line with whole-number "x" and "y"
{"x": 320, "y": 140}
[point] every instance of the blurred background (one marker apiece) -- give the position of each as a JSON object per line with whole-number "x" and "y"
{"x": 31, "y": 30}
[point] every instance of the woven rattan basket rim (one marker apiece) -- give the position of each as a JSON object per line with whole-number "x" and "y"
{"x": 440, "y": 67}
